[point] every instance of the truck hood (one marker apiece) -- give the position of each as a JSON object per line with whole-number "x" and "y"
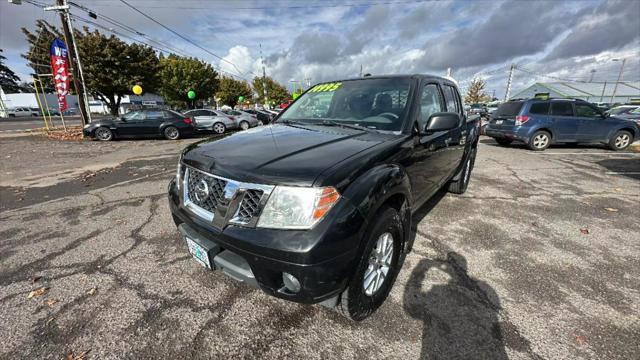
{"x": 280, "y": 154}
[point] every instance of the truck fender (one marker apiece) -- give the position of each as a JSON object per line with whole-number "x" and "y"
{"x": 373, "y": 188}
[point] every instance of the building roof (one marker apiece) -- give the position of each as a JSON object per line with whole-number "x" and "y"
{"x": 573, "y": 89}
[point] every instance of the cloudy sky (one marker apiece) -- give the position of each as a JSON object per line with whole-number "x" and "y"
{"x": 326, "y": 40}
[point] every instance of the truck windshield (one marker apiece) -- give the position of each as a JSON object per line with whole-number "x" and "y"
{"x": 379, "y": 104}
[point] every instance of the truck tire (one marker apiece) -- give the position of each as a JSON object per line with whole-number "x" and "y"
{"x": 460, "y": 186}
{"x": 504, "y": 142}
{"x": 620, "y": 140}
{"x": 539, "y": 141}
{"x": 377, "y": 269}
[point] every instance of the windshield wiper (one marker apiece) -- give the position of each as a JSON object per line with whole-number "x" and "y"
{"x": 349, "y": 126}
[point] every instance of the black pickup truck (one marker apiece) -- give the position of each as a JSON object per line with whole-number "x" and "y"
{"x": 316, "y": 207}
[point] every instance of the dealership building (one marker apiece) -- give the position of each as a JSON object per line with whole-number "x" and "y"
{"x": 10, "y": 101}
{"x": 595, "y": 92}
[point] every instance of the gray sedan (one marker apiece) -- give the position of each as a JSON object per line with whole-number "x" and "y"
{"x": 244, "y": 119}
{"x": 214, "y": 120}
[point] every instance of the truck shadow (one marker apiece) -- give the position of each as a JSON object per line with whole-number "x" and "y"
{"x": 459, "y": 313}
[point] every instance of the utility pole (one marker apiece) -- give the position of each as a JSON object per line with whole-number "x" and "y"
{"x": 76, "y": 69}
{"x": 593, "y": 71}
{"x": 615, "y": 88}
{"x": 603, "y": 88}
{"x": 360, "y": 70}
{"x": 508, "y": 92}
{"x": 264, "y": 80}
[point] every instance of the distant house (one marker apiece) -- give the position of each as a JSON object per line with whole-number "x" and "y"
{"x": 596, "y": 92}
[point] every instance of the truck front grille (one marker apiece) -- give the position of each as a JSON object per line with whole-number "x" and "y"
{"x": 223, "y": 201}
{"x": 250, "y": 205}
{"x": 204, "y": 190}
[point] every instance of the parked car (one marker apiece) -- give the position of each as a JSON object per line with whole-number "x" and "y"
{"x": 212, "y": 120}
{"x": 316, "y": 208}
{"x": 478, "y": 109}
{"x": 22, "y": 111}
{"x": 622, "y": 110}
{"x": 263, "y": 116}
{"x": 143, "y": 123}
{"x": 244, "y": 119}
{"x": 539, "y": 123}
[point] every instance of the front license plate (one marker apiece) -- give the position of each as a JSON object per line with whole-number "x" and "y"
{"x": 498, "y": 122}
{"x": 199, "y": 253}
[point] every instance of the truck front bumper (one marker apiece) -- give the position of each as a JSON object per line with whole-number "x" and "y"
{"x": 260, "y": 257}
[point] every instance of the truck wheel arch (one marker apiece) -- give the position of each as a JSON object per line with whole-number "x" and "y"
{"x": 384, "y": 185}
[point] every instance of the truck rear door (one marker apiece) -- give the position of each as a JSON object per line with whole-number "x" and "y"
{"x": 455, "y": 145}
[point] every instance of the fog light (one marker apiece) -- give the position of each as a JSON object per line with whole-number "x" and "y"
{"x": 290, "y": 282}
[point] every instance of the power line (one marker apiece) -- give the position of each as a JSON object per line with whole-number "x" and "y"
{"x": 283, "y": 7}
{"x": 160, "y": 46}
{"x": 185, "y": 38}
{"x": 126, "y": 27}
{"x": 130, "y": 29}
{"x": 79, "y": 18}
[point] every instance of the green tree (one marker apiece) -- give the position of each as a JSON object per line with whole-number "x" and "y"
{"x": 475, "y": 93}
{"x": 8, "y": 79}
{"x": 230, "y": 89}
{"x": 38, "y": 57}
{"x": 111, "y": 67}
{"x": 275, "y": 91}
{"x": 179, "y": 74}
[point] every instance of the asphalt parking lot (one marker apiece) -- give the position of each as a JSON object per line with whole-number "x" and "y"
{"x": 539, "y": 259}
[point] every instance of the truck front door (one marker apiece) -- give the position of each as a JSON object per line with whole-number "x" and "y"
{"x": 428, "y": 157}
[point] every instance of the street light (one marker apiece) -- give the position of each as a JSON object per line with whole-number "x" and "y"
{"x": 615, "y": 88}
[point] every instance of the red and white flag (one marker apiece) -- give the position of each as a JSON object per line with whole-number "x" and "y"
{"x": 60, "y": 67}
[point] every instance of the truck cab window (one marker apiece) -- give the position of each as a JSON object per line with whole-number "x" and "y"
{"x": 429, "y": 103}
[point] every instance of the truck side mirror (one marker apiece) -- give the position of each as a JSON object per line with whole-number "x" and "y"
{"x": 442, "y": 121}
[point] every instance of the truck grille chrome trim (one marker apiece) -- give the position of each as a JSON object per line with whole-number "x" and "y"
{"x": 223, "y": 201}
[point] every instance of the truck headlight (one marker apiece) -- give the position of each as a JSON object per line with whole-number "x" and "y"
{"x": 297, "y": 207}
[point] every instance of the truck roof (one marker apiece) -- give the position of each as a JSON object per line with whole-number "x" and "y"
{"x": 397, "y": 76}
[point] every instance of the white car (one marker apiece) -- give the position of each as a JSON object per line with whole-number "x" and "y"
{"x": 622, "y": 110}
{"x": 21, "y": 112}
{"x": 212, "y": 120}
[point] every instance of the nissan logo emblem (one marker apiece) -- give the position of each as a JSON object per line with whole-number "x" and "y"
{"x": 201, "y": 190}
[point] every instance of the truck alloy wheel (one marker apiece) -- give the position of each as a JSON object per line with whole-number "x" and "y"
{"x": 379, "y": 264}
